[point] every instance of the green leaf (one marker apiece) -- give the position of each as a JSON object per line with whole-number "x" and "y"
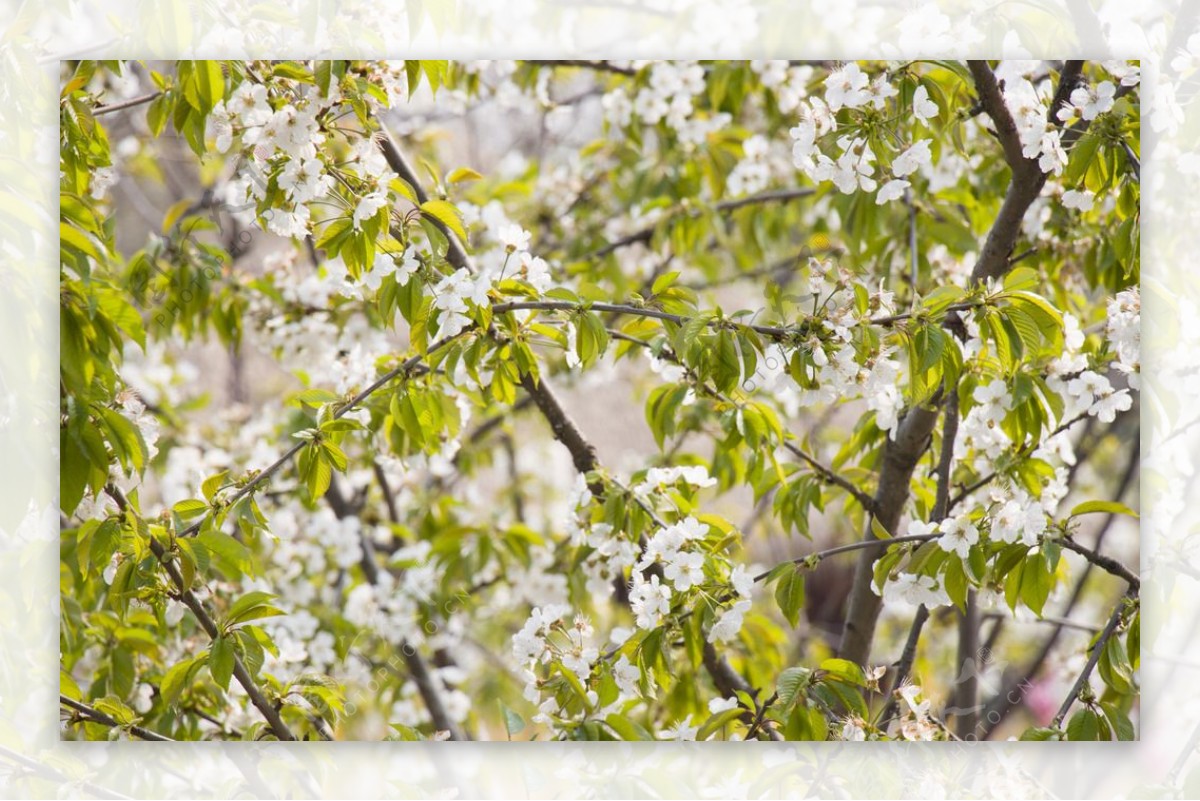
{"x": 1108, "y": 507}
{"x": 336, "y": 456}
{"x": 221, "y": 660}
{"x": 845, "y": 670}
{"x": 462, "y": 174}
{"x": 790, "y": 684}
{"x": 718, "y": 721}
{"x": 878, "y": 530}
{"x": 248, "y": 603}
{"x": 315, "y": 397}
{"x": 1084, "y": 725}
{"x": 177, "y": 679}
{"x": 954, "y": 580}
{"x": 626, "y": 729}
{"x": 1036, "y": 582}
{"x": 315, "y": 470}
{"x": 407, "y": 733}
{"x": 232, "y": 557}
{"x": 1119, "y": 722}
{"x": 447, "y": 215}
{"x": 513, "y": 723}
{"x": 789, "y": 594}
{"x": 1040, "y": 734}
{"x": 190, "y": 508}
{"x": 212, "y": 484}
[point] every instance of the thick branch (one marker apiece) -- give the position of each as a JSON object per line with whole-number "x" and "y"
{"x": 1027, "y": 176}
{"x": 900, "y": 458}
{"x": 993, "y": 103}
{"x": 729, "y": 682}
{"x": 945, "y": 462}
{"x": 583, "y": 453}
{"x": 901, "y": 455}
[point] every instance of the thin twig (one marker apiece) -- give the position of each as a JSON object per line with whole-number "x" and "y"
{"x": 94, "y": 715}
{"x": 407, "y": 366}
{"x": 124, "y": 104}
{"x": 1097, "y": 650}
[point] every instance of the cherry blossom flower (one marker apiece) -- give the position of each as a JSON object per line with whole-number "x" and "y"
{"x": 924, "y": 108}
{"x": 1081, "y": 200}
{"x": 847, "y": 87}
{"x": 892, "y": 190}
{"x": 958, "y": 535}
{"x": 729, "y": 623}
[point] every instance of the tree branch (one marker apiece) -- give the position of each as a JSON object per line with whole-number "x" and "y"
{"x": 124, "y": 104}
{"x": 940, "y": 506}
{"x": 418, "y": 669}
{"x": 455, "y": 251}
{"x": 598, "y": 66}
{"x": 1105, "y": 563}
{"x": 1009, "y": 695}
{"x": 729, "y": 682}
{"x": 1027, "y": 176}
{"x": 901, "y": 455}
{"x": 646, "y": 233}
{"x": 1097, "y": 649}
{"x": 407, "y": 366}
{"x": 94, "y": 715}
{"x": 871, "y": 544}
{"x": 189, "y": 599}
{"x": 992, "y": 101}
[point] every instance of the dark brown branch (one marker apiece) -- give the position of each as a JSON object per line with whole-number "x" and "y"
{"x": 417, "y": 668}
{"x": 455, "y": 251}
{"x": 389, "y": 499}
{"x": 907, "y": 657}
{"x": 1097, "y": 650}
{"x": 598, "y": 66}
{"x": 189, "y": 599}
{"x": 1027, "y": 176}
{"x": 992, "y": 101}
{"x": 1105, "y": 563}
{"x": 85, "y": 712}
{"x": 900, "y": 458}
{"x": 583, "y": 453}
{"x": 940, "y": 506}
{"x": 729, "y": 683}
{"x": 1007, "y": 698}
